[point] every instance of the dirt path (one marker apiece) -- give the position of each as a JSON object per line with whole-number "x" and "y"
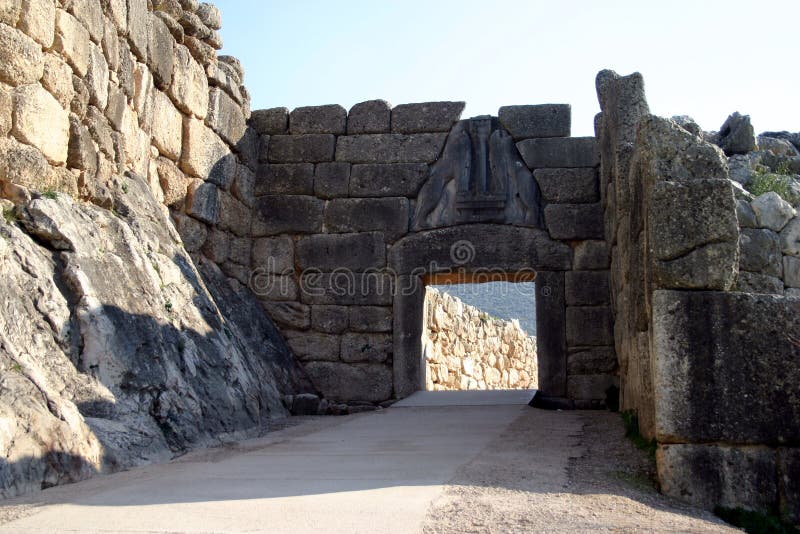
{"x": 515, "y": 484}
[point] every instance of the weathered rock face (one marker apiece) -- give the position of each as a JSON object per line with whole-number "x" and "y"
{"x": 465, "y": 348}
{"x": 110, "y": 321}
{"x": 116, "y": 346}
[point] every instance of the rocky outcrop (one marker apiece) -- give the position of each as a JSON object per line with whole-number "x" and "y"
{"x": 116, "y": 349}
{"x": 466, "y": 348}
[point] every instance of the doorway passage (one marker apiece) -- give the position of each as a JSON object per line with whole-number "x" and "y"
{"x": 480, "y": 333}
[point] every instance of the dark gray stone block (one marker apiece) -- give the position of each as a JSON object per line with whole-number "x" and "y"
{"x": 390, "y": 148}
{"x": 160, "y": 56}
{"x": 386, "y": 215}
{"x": 551, "y": 335}
{"x": 591, "y": 255}
{"x": 559, "y": 152}
{"x": 479, "y": 246}
{"x": 312, "y": 148}
{"x": 407, "y": 359}
{"x": 285, "y": 179}
{"x": 329, "y": 319}
{"x": 569, "y": 186}
{"x": 332, "y": 179}
{"x": 719, "y": 475}
{"x": 274, "y": 254}
{"x": 592, "y": 360}
{"x": 760, "y": 252}
{"x": 289, "y": 314}
{"x": 341, "y": 382}
{"x": 575, "y": 221}
{"x": 789, "y": 483}
{"x": 587, "y": 288}
{"x": 370, "y": 319}
{"x": 759, "y": 283}
{"x": 590, "y": 387}
{"x": 203, "y": 203}
{"x": 545, "y": 120}
{"x": 391, "y": 180}
{"x": 426, "y": 117}
{"x": 273, "y": 121}
{"x": 347, "y": 288}
{"x": 287, "y": 214}
{"x": 329, "y": 252}
{"x": 374, "y": 348}
{"x": 329, "y": 119}
{"x": 313, "y": 346}
{"x": 726, "y": 367}
{"x": 372, "y": 116}
{"x": 589, "y": 326}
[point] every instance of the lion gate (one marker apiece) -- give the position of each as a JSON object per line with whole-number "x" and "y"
{"x": 356, "y": 211}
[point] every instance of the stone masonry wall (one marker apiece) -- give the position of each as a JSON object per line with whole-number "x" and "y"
{"x": 707, "y": 362}
{"x": 466, "y": 348}
{"x": 332, "y": 241}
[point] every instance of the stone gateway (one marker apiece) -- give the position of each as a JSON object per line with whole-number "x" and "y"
{"x": 178, "y": 270}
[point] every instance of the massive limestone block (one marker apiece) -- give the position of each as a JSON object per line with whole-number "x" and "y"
{"x": 479, "y": 246}
{"x": 285, "y": 179}
{"x": 691, "y": 225}
{"x": 272, "y": 121}
{"x": 330, "y": 252}
{"x": 760, "y": 252}
{"x": 23, "y": 165}
{"x": 281, "y": 214}
{"x": 568, "y": 186}
{"x": 426, "y": 117}
{"x": 719, "y": 475}
{"x": 57, "y": 78}
{"x": 168, "y": 128}
{"x": 205, "y": 155}
{"x": 90, "y": 13}
{"x": 372, "y": 116}
{"x": 20, "y": 57}
{"x": 72, "y": 41}
{"x": 388, "y": 216}
{"x": 189, "y": 87}
{"x": 736, "y": 135}
{"x": 559, "y": 152}
{"x": 38, "y": 20}
{"x": 314, "y": 346}
{"x": 329, "y": 319}
{"x": 340, "y": 381}
{"x": 790, "y": 238}
{"x": 313, "y": 148}
{"x": 390, "y": 148}
{"x": 387, "y": 180}
{"x": 332, "y": 179}
{"x": 97, "y": 77}
{"x": 772, "y": 211}
{"x": 347, "y": 288}
{"x": 160, "y": 51}
{"x": 372, "y": 348}
{"x": 545, "y": 120}
{"x": 369, "y": 319}
{"x": 712, "y": 350}
{"x": 574, "y": 221}
{"x": 202, "y": 201}
{"x": 587, "y": 288}
{"x": 41, "y": 121}
{"x": 225, "y": 116}
{"x": 137, "y": 28}
{"x": 330, "y": 119}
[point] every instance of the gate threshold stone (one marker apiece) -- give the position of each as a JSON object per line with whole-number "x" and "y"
{"x": 496, "y": 397}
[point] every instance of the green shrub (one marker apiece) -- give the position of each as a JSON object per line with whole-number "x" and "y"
{"x": 52, "y": 195}
{"x": 10, "y": 215}
{"x": 764, "y": 182}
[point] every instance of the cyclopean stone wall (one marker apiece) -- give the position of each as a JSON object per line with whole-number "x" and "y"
{"x": 354, "y": 209}
{"x": 121, "y": 342}
{"x": 466, "y": 348}
{"x": 707, "y": 363}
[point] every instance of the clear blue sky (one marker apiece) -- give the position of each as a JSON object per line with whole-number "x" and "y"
{"x": 700, "y": 58}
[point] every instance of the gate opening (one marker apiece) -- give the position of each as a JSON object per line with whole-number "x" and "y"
{"x": 479, "y": 332}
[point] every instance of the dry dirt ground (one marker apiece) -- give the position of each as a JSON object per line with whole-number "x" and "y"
{"x": 515, "y": 485}
{"x": 541, "y": 471}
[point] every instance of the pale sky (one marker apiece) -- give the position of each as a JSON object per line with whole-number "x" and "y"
{"x": 703, "y": 59}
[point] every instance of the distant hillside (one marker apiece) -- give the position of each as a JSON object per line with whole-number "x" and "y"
{"x": 505, "y": 300}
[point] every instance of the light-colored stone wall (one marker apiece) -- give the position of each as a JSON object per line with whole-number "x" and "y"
{"x": 466, "y": 348}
